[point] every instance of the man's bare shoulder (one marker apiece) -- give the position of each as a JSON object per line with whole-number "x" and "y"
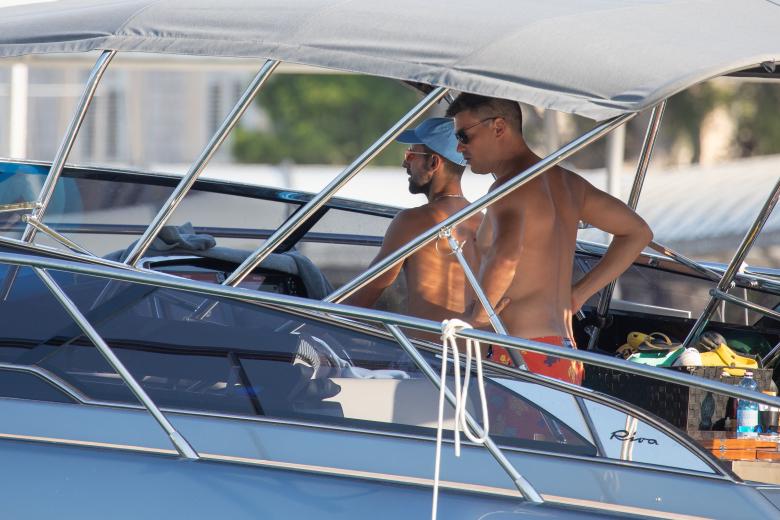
{"x": 412, "y": 221}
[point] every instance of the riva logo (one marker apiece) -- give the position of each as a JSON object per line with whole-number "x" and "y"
{"x": 623, "y": 435}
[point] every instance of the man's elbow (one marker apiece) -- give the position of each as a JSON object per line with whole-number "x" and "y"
{"x": 638, "y": 233}
{"x": 644, "y": 234}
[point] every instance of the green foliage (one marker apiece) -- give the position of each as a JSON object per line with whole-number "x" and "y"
{"x": 752, "y": 105}
{"x": 686, "y": 111}
{"x": 324, "y": 119}
{"x": 758, "y": 124}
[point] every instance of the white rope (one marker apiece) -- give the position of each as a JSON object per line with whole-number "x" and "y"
{"x": 449, "y": 328}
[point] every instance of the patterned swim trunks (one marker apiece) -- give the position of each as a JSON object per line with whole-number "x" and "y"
{"x": 564, "y": 369}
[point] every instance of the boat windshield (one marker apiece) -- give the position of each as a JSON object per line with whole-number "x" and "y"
{"x": 104, "y": 211}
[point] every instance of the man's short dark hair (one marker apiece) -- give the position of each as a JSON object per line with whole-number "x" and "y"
{"x": 485, "y": 107}
{"x": 449, "y": 166}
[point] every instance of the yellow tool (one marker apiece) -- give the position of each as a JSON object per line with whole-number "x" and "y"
{"x": 723, "y": 356}
{"x": 639, "y": 341}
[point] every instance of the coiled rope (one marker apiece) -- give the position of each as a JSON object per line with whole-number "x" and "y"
{"x": 449, "y": 328}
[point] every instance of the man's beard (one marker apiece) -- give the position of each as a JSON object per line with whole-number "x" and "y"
{"x": 415, "y": 189}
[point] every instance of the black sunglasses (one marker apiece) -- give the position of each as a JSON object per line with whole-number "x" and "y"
{"x": 463, "y": 137}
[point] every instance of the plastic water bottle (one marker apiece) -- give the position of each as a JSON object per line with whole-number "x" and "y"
{"x": 747, "y": 411}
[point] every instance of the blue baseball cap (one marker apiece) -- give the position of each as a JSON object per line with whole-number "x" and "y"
{"x": 438, "y": 134}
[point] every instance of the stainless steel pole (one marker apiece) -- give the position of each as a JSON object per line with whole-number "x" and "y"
{"x": 633, "y": 199}
{"x": 736, "y": 262}
{"x": 646, "y": 154}
{"x": 495, "y": 321}
{"x": 47, "y": 191}
{"x": 684, "y": 260}
{"x": 18, "y": 206}
{"x": 43, "y": 228}
{"x": 307, "y": 210}
{"x": 715, "y": 273}
{"x": 760, "y": 309}
{"x": 475, "y": 207}
{"x": 522, "y": 485}
{"x": 181, "y": 444}
{"x": 200, "y": 163}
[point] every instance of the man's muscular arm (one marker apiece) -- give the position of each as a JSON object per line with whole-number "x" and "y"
{"x": 499, "y": 264}
{"x": 630, "y": 235}
{"x": 403, "y": 228}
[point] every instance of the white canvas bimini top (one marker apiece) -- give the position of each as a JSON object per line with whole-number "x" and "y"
{"x": 596, "y": 58}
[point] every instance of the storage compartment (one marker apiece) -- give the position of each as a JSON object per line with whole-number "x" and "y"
{"x": 690, "y": 409}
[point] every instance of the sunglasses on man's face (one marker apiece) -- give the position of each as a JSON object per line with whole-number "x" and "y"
{"x": 409, "y": 154}
{"x": 463, "y": 137}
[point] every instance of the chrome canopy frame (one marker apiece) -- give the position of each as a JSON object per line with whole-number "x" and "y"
{"x": 57, "y": 165}
{"x": 129, "y": 272}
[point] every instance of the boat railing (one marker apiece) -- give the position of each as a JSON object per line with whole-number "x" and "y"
{"x": 381, "y": 317}
{"x": 32, "y": 220}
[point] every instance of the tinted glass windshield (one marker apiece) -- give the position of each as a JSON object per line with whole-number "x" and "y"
{"x": 123, "y": 205}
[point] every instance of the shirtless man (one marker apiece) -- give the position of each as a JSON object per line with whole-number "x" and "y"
{"x": 435, "y": 281}
{"x": 527, "y": 239}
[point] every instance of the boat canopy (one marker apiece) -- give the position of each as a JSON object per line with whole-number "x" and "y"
{"x": 595, "y": 58}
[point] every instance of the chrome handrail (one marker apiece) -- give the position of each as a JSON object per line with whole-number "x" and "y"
{"x": 712, "y": 272}
{"x": 684, "y": 260}
{"x": 73, "y": 256}
{"x": 186, "y": 183}
{"x": 720, "y": 295}
{"x": 43, "y": 228}
{"x": 19, "y": 206}
{"x": 522, "y": 485}
{"x": 179, "y": 442}
{"x": 633, "y": 199}
{"x": 736, "y": 264}
{"x": 475, "y": 207}
{"x": 50, "y": 378}
{"x": 241, "y": 294}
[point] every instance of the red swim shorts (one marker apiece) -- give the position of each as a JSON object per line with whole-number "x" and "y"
{"x": 564, "y": 369}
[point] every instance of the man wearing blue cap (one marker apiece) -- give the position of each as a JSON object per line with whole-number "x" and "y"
{"x": 435, "y": 281}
